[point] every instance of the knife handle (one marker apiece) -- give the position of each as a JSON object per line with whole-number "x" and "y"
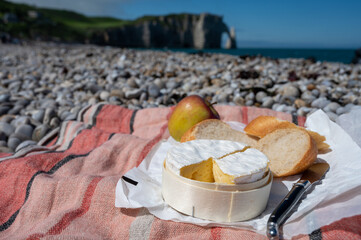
{"x": 284, "y": 208}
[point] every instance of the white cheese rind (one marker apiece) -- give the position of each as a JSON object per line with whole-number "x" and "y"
{"x": 196, "y": 151}
{"x": 247, "y": 166}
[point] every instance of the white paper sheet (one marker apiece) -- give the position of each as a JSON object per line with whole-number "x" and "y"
{"x": 337, "y": 197}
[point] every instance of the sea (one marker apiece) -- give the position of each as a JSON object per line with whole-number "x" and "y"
{"x": 329, "y": 55}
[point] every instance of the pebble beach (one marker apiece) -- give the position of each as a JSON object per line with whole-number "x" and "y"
{"x": 42, "y": 85}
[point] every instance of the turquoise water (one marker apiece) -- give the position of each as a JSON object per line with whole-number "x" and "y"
{"x": 330, "y": 55}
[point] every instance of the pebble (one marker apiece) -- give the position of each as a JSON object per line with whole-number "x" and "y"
{"x": 15, "y": 110}
{"x": 40, "y": 94}
{"x": 39, "y": 132}
{"x": 104, "y": 95}
{"x": 267, "y": 102}
{"x": 54, "y": 122}
{"x": 289, "y": 90}
{"x": 7, "y": 118}
{"x": 3, "y": 136}
{"x": 20, "y": 120}
{"x": 24, "y": 130}
{"x": 260, "y": 95}
{"x": 134, "y": 93}
{"x": 4, "y": 110}
{"x": 153, "y": 90}
{"x": 13, "y": 142}
{"x": 6, "y": 128}
{"x": 48, "y": 115}
{"x": 117, "y": 93}
{"x": 331, "y": 107}
{"x": 38, "y": 115}
{"x": 4, "y": 98}
{"x": 320, "y": 102}
{"x": 3, "y": 143}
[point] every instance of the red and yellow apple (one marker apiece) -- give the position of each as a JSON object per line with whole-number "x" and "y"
{"x": 188, "y": 112}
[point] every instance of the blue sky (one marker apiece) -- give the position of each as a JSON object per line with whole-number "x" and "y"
{"x": 258, "y": 23}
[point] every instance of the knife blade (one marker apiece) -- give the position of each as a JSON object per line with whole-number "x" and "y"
{"x": 310, "y": 177}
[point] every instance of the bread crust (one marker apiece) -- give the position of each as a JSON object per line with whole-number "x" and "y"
{"x": 299, "y": 163}
{"x": 263, "y": 125}
{"x": 195, "y": 132}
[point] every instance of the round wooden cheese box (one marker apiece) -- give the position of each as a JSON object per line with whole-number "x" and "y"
{"x": 217, "y": 202}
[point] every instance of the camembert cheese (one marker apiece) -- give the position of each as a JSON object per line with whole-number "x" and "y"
{"x": 213, "y": 161}
{"x": 246, "y": 166}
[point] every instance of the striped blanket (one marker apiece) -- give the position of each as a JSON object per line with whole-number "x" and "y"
{"x": 64, "y": 188}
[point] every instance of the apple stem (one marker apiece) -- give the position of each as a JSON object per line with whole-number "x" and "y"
{"x": 213, "y": 103}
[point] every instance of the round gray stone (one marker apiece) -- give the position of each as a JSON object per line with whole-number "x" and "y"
{"x": 4, "y": 110}
{"x": 64, "y": 114}
{"x": 20, "y": 120}
{"x": 70, "y": 117}
{"x": 4, "y": 98}
{"x": 159, "y": 83}
{"x": 320, "y": 103}
{"x": 48, "y": 115}
{"x": 39, "y": 132}
{"x": 341, "y": 110}
{"x": 132, "y": 82}
{"x": 333, "y": 116}
{"x": 3, "y": 136}
{"x": 13, "y": 142}
{"x": 15, "y": 110}
{"x": 249, "y": 103}
{"x": 171, "y": 84}
{"x": 117, "y": 93}
{"x": 250, "y": 96}
{"x": 7, "y": 118}
{"x": 54, "y": 122}
{"x": 38, "y": 115}
{"x": 24, "y": 130}
{"x": 153, "y": 90}
{"x": 92, "y": 101}
{"x": 134, "y": 93}
{"x": 3, "y": 143}
{"x": 332, "y": 107}
{"x": 267, "y": 102}
{"x": 104, "y": 95}
{"x": 288, "y": 90}
{"x": 260, "y": 96}
{"x": 6, "y": 128}
{"x": 94, "y": 88}
{"x": 308, "y": 97}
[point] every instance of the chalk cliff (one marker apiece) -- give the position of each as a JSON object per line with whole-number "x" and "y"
{"x": 172, "y": 31}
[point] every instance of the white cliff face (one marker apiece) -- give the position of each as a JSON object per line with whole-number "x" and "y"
{"x": 199, "y": 33}
{"x": 231, "y": 42}
{"x": 173, "y": 31}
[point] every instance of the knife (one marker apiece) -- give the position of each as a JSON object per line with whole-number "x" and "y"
{"x": 310, "y": 177}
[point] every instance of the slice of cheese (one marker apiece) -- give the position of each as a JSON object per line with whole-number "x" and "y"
{"x": 245, "y": 166}
{"x": 194, "y": 159}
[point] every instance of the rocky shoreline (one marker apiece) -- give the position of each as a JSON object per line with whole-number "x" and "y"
{"x": 42, "y": 85}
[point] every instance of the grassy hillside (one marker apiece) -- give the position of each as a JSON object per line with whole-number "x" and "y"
{"x": 52, "y": 24}
{"x": 61, "y": 25}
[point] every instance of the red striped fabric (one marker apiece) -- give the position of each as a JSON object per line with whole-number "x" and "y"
{"x": 68, "y": 191}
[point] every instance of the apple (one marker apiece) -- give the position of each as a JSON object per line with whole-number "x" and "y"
{"x": 188, "y": 112}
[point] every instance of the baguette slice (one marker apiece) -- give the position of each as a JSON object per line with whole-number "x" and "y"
{"x": 218, "y": 130}
{"x": 264, "y": 125}
{"x": 290, "y": 151}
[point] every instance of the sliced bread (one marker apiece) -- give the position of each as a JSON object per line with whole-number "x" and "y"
{"x": 217, "y": 130}
{"x": 263, "y": 125}
{"x": 290, "y": 151}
